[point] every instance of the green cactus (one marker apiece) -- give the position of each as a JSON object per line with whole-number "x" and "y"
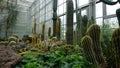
{"x": 69, "y": 25}
{"x": 58, "y": 23}
{"x": 86, "y": 43}
{"x": 116, "y": 46}
{"x": 43, "y": 31}
{"x": 84, "y": 25}
{"x": 94, "y": 32}
{"x": 49, "y": 31}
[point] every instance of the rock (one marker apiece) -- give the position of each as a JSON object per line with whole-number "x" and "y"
{"x": 8, "y": 57}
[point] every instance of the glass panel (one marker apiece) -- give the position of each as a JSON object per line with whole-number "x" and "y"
{"x": 99, "y": 10}
{"x": 60, "y": 9}
{"x": 84, "y": 12}
{"x": 60, "y": 2}
{"x": 99, "y": 21}
{"x": 74, "y": 4}
{"x": 74, "y": 19}
{"x": 82, "y": 2}
{"x": 113, "y": 22}
{"x": 64, "y": 19}
{"x": 111, "y": 9}
{"x": 64, "y": 10}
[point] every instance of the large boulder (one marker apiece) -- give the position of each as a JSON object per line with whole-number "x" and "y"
{"x": 8, "y": 57}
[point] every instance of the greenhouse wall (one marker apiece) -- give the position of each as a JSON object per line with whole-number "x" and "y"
{"x": 22, "y": 25}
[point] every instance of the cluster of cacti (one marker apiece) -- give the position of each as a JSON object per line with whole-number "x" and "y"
{"x": 92, "y": 46}
{"x": 116, "y": 46}
{"x": 58, "y": 29}
{"x": 43, "y": 31}
{"x": 87, "y": 43}
{"x": 94, "y": 32}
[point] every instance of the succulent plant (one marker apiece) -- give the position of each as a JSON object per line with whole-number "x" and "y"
{"x": 94, "y": 32}
{"x": 34, "y": 29}
{"x": 84, "y": 25}
{"x": 116, "y": 45}
{"x": 58, "y": 29}
{"x": 87, "y": 43}
{"x": 69, "y": 25}
{"x": 43, "y": 31}
{"x": 49, "y": 31}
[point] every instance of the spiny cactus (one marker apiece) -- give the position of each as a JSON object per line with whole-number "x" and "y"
{"x": 84, "y": 25}
{"x": 116, "y": 45}
{"x": 49, "y": 31}
{"x": 43, "y": 31}
{"x": 86, "y": 43}
{"x": 34, "y": 30}
{"x": 58, "y": 29}
{"x": 94, "y": 32}
{"x": 69, "y": 25}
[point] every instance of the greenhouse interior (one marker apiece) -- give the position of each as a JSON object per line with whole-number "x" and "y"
{"x": 59, "y": 34}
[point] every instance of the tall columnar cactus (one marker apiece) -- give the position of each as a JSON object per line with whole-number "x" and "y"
{"x": 87, "y": 43}
{"x": 54, "y": 16}
{"x": 49, "y": 31}
{"x": 94, "y": 32}
{"x": 69, "y": 25}
{"x": 35, "y": 24}
{"x": 43, "y": 31}
{"x": 116, "y": 45}
{"x": 84, "y": 25}
{"x": 58, "y": 29}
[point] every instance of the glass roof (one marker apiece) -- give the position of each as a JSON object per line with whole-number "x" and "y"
{"x": 22, "y": 5}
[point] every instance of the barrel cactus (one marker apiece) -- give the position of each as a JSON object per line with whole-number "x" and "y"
{"x": 116, "y": 45}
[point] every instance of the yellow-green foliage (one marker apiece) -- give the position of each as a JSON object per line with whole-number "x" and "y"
{"x": 116, "y": 45}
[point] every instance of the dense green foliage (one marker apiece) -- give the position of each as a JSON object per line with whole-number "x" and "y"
{"x": 107, "y": 45}
{"x": 63, "y": 57}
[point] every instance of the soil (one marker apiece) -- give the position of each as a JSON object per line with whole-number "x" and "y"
{"x": 8, "y": 57}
